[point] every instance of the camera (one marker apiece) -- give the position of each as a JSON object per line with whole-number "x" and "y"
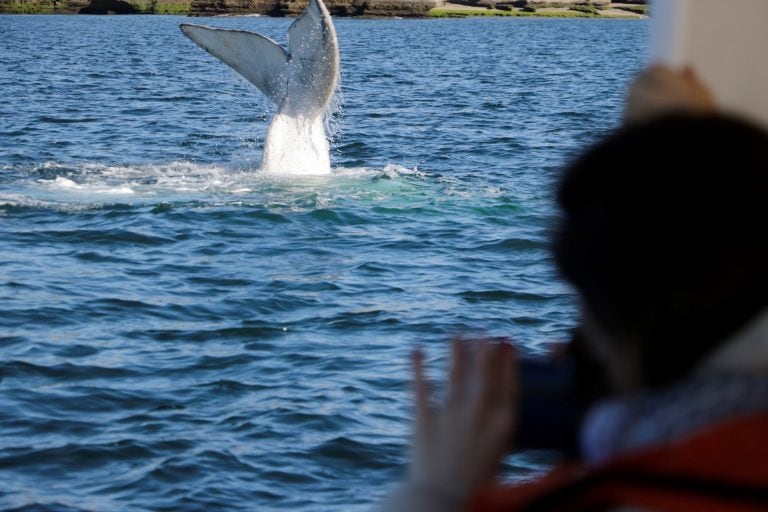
{"x": 555, "y": 395}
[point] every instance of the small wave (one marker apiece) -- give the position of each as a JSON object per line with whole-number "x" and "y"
{"x": 249, "y": 334}
{"x": 501, "y": 296}
{"x": 513, "y": 245}
{"x": 343, "y": 452}
{"x": 24, "y": 369}
{"x": 73, "y": 457}
{"x": 63, "y": 120}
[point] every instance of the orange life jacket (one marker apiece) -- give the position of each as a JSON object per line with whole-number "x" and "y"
{"x": 722, "y": 469}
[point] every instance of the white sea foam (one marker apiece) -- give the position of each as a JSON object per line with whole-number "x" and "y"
{"x": 26, "y": 201}
{"x": 67, "y": 184}
{"x": 62, "y": 186}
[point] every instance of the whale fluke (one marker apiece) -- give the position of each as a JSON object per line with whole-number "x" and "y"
{"x": 300, "y": 81}
{"x": 259, "y": 59}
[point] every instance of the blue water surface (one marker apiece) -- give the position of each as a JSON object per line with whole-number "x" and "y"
{"x": 180, "y": 332}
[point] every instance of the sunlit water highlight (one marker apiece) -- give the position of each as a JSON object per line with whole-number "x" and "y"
{"x": 180, "y": 332}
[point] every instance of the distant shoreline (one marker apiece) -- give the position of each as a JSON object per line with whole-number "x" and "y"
{"x": 483, "y": 8}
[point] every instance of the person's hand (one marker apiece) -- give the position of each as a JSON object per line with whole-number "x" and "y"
{"x": 660, "y": 90}
{"x": 457, "y": 448}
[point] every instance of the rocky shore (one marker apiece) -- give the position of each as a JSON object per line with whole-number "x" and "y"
{"x": 370, "y": 8}
{"x": 360, "y": 8}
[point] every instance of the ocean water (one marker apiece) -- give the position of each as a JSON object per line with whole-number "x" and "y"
{"x": 180, "y": 332}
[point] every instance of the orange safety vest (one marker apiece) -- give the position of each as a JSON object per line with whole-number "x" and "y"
{"x": 721, "y": 469}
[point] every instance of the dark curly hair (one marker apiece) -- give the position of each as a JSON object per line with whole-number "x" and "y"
{"x": 664, "y": 234}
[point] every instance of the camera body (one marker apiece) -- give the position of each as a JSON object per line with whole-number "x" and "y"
{"x": 551, "y": 408}
{"x": 555, "y": 395}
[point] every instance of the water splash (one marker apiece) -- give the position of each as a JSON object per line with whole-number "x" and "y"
{"x": 296, "y": 145}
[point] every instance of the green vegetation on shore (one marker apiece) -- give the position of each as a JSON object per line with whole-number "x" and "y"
{"x": 27, "y": 8}
{"x": 178, "y": 7}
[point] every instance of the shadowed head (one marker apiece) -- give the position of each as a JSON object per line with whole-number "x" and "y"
{"x": 665, "y": 236}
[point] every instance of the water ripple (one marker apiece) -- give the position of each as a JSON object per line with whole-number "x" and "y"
{"x": 182, "y": 332}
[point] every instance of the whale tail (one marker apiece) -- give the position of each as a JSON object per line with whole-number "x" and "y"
{"x": 259, "y": 59}
{"x": 300, "y": 81}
